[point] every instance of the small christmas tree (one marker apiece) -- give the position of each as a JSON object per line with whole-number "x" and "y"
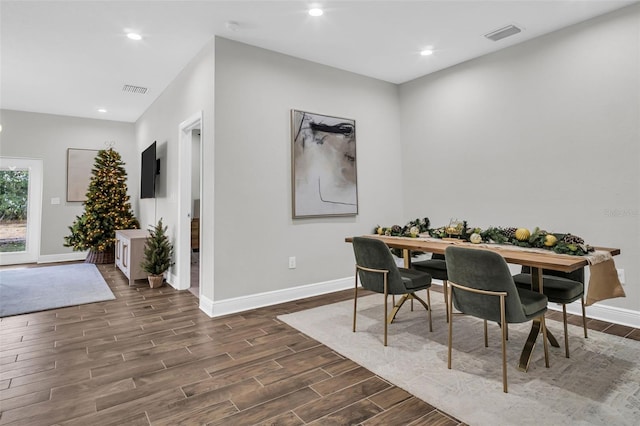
{"x": 106, "y": 210}
{"x": 158, "y": 252}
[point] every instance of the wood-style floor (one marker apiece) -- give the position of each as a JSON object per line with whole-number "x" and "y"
{"x": 152, "y": 357}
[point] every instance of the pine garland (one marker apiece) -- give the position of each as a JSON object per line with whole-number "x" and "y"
{"x": 107, "y": 207}
{"x": 556, "y": 242}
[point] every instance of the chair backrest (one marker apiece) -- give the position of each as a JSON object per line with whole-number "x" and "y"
{"x": 374, "y": 254}
{"x": 577, "y": 275}
{"x": 483, "y": 270}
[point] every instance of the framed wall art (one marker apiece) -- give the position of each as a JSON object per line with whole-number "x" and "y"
{"x": 79, "y": 165}
{"x": 324, "y": 178}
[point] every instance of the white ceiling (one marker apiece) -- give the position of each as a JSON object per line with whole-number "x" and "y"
{"x": 72, "y": 57}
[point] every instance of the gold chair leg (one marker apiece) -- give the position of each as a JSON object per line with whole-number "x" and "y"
{"x": 584, "y": 318}
{"x": 503, "y": 320}
{"x": 429, "y": 308}
{"x": 545, "y": 343}
{"x": 486, "y": 339}
{"x": 445, "y": 288}
{"x": 566, "y": 335}
{"x": 355, "y": 301}
{"x": 450, "y": 321}
{"x": 385, "y": 313}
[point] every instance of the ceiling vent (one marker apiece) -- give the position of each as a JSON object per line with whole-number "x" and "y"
{"x": 505, "y": 32}
{"x": 134, "y": 89}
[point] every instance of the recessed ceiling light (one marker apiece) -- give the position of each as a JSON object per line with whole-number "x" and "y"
{"x": 316, "y": 11}
{"x": 426, "y": 52}
{"x": 102, "y": 110}
{"x": 134, "y": 36}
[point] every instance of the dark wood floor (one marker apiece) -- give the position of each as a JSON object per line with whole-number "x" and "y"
{"x": 152, "y": 357}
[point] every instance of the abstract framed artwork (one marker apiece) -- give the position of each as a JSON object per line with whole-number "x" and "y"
{"x": 79, "y": 165}
{"x": 323, "y": 169}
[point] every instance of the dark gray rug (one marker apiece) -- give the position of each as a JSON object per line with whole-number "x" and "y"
{"x": 38, "y": 289}
{"x": 598, "y": 385}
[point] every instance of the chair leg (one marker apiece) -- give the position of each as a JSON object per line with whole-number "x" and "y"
{"x": 429, "y": 303}
{"x": 566, "y": 335}
{"x": 355, "y": 301}
{"x": 545, "y": 343}
{"x": 386, "y": 295}
{"x": 584, "y": 318}
{"x": 450, "y": 321}
{"x": 385, "y": 318}
{"x": 503, "y": 320}
{"x": 486, "y": 339}
{"x": 445, "y": 288}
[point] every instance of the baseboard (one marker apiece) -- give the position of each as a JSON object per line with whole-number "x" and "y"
{"x": 172, "y": 280}
{"x": 66, "y": 257}
{"x": 206, "y": 305}
{"x": 604, "y": 313}
{"x": 600, "y": 312}
{"x": 239, "y": 304}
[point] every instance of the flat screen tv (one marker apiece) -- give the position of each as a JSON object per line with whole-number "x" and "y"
{"x": 148, "y": 171}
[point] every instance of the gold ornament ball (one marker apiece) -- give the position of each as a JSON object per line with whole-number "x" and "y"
{"x": 522, "y": 234}
{"x": 550, "y": 240}
{"x": 380, "y": 230}
{"x": 475, "y": 238}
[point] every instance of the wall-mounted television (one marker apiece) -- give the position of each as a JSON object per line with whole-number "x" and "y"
{"x": 148, "y": 171}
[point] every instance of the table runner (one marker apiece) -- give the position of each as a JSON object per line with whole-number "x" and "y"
{"x": 603, "y": 276}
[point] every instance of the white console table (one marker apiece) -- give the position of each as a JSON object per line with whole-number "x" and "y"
{"x": 130, "y": 251}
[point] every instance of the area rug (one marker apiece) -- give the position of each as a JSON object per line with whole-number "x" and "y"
{"x": 37, "y": 289}
{"x": 599, "y": 384}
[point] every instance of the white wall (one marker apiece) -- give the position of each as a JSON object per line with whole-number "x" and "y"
{"x": 545, "y": 133}
{"x": 255, "y": 233}
{"x": 47, "y": 137}
{"x": 191, "y": 92}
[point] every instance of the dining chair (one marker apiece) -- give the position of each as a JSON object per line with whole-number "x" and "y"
{"x": 437, "y": 268}
{"x": 559, "y": 287}
{"x": 378, "y": 272}
{"x": 481, "y": 285}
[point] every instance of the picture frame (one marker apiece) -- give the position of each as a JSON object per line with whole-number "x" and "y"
{"x": 79, "y": 165}
{"x": 323, "y": 165}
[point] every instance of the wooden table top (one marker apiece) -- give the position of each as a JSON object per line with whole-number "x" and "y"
{"x": 512, "y": 254}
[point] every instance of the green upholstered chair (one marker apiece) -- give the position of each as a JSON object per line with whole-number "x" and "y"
{"x": 378, "y": 272}
{"x": 481, "y": 285}
{"x": 559, "y": 287}
{"x": 437, "y": 268}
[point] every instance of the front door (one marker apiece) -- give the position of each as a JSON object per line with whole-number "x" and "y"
{"x": 20, "y": 210}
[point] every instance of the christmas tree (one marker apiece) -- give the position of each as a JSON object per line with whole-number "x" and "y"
{"x": 106, "y": 209}
{"x": 158, "y": 251}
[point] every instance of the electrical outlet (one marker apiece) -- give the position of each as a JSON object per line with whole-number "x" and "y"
{"x": 621, "y": 276}
{"x": 292, "y": 262}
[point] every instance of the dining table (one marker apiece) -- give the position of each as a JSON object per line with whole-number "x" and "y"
{"x": 537, "y": 259}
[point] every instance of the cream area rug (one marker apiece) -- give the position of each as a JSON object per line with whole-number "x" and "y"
{"x": 598, "y": 385}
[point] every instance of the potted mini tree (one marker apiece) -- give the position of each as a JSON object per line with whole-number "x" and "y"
{"x": 158, "y": 252}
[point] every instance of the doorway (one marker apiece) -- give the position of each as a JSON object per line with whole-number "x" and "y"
{"x": 20, "y": 210}
{"x": 190, "y": 197}
{"x": 195, "y": 212}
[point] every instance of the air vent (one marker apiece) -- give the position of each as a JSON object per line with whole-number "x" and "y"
{"x": 503, "y": 33}
{"x": 134, "y": 89}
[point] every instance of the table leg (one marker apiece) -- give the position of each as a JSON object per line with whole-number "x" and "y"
{"x": 536, "y": 285}
{"x": 525, "y": 357}
{"x": 406, "y": 254}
